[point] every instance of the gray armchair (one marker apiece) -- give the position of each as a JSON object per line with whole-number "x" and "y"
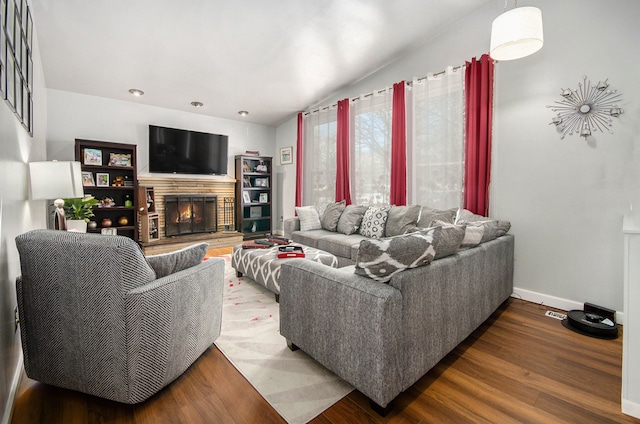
{"x": 95, "y": 318}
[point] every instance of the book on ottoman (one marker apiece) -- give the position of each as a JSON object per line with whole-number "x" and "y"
{"x": 290, "y": 252}
{"x": 254, "y": 245}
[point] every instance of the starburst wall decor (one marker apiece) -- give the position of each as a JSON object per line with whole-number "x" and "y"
{"x": 585, "y": 110}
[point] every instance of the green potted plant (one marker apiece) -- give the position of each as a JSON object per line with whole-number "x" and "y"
{"x": 78, "y": 211}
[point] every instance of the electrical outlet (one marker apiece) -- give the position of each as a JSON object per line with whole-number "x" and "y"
{"x": 16, "y": 316}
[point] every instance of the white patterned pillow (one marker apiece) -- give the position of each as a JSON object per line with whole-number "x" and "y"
{"x": 309, "y": 218}
{"x": 382, "y": 259}
{"x": 374, "y": 221}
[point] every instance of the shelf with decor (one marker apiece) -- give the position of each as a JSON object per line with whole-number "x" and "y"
{"x": 148, "y": 217}
{"x": 109, "y": 174}
{"x": 254, "y": 180}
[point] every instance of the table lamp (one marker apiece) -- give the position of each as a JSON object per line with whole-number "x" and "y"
{"x": 55, "y": 180}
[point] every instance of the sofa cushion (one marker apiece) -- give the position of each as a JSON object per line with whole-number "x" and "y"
{"x": 172, "y": 262}
{"x": 331, "y": 215}
{"x": 482, "y": 231}
{"x": 309, "y": 218}
{"x": 374, "y": 221}
{"x": 382, "y": 259}
{"x": 311, "y": 237}
{"x": 340, "y": 244}
{"x": 401, "y": 218}
{"x": 351, "y": 219}
{"x": 428, "y": 215}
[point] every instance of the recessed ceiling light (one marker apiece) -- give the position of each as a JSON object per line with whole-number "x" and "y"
{"x": 197, "y": 104}
{"x": 243, "y": 113}
{"x": 136, "y": 92}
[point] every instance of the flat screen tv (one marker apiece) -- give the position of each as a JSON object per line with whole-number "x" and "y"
{"x": 178, "y": 151}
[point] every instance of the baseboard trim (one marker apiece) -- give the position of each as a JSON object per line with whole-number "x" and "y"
{"x": 13, "y": 391}
{"x": 555, "y": 302}
{"x": 630, "y": 408}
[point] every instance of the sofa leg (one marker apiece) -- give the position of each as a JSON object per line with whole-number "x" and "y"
{"x": 292, "y": 346}
{"x": 382, "y": 411}
{"x": 238, "y": 274}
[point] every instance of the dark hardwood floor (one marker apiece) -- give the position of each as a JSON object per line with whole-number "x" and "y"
{"x": 519, "y": 366}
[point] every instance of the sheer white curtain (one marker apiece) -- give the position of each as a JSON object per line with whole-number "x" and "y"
{"x": 436, "y": 148}
{"x": 371, "y": 148}
{"x": 319, "y": 156}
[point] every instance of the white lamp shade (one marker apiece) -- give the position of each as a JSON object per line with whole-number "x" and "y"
{"x": 516, "y": 33}
{"x": 53, "y": 180}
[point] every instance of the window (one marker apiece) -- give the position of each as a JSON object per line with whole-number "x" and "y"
{"x": 319, "y": 156}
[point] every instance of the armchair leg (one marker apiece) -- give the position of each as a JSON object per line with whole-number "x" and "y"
{"x": 277, "y": 298}
{"x": 382, "y": 411}
{"x": 238, "y": 274}
{"x": 292, "y": 346}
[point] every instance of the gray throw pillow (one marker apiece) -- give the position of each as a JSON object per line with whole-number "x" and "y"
{"x": 428, "y": 215}
{"x": 482, "y": 231}
{"x": 382, "y": 259}
{"x": 170, "y": 263}
{"x": 450, "y": 240}
{"x": 468, "y": 216}
{"x": 351, "y": 219}
{"x": 374, "y": 221}
{"x": 331, "y": 215}
{"x": 401, "y": 218}
{"x": 309, "y": 218}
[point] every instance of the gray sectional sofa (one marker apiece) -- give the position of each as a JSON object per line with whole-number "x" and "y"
{"x": 383, "y": 334}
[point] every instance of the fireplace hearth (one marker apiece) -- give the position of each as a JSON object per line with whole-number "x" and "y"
{"x": 190, "y": 214}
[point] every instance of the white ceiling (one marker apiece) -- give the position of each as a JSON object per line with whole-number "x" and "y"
{"x": 272, "y": 58}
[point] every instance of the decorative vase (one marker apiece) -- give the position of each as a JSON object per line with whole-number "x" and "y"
{"x": 254, "y": 228}
{"x": 77, "y": 225}
{"x": 92, "y": 225}
{"x": 106, "y": 222}
{"x": 123, "y": 220}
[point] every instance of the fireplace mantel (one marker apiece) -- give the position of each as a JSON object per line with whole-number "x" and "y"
{"x": 222, "y": 186}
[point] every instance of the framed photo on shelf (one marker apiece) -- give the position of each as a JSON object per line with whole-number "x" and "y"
{"x": 286, "y": 155}
{"x": 255, "y": 212}
{"x": 119, "y": 159}
{"x": 102, "y": 179}
{"x": 264, "y": 197}
{"x": 261, "y": 182}
{"x": 245, "y": 197}
{"x": 92, "y": 156}
{"x": 87, "y": 179}
{"x": 246, "y": 182}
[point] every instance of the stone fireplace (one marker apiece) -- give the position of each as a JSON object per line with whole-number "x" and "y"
{"x": 190, "y": 214}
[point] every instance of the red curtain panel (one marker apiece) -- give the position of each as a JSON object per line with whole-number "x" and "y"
{"x": 299, "y": 162}
{"x": 398, "y": 189}
{"x": 343, "y": 188}
{"x": 479, "y": 112}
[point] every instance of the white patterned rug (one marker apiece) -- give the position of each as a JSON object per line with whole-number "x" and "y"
{"x": 294, "y": 384}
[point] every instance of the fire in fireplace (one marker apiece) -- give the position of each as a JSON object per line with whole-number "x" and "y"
{"x": 190, "y": 214}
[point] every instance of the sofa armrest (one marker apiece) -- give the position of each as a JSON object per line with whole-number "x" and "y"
{"x": 291, "y": 225}
{"x": 349, "y": 323}
{"x": 171, "y": 322}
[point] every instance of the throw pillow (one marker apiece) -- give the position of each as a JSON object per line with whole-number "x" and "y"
{"x": 331, "y": 215}
{"x": 309, "y": 218}
{"x": 450, "y": 240}
{"x": 468, "y": 216}
{"x": 401, "y": 218}
{"x": 374, "y": 221}
{"x": 351, "y": 219}
{"x": 170, "y": 263}
{"x": 382, "y": 259}
{"x": 482, "y": 231}
{"x": 428, "y": 215}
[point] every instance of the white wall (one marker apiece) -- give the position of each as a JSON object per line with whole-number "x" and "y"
{"x": 564, "y": 198}
{"x": 73, "y": 115}
{"x": 17, "y": 215}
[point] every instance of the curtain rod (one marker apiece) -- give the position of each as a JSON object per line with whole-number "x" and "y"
{"x": 364, "y": 96}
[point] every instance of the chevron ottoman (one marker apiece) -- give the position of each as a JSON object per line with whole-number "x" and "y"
{"x": 263, "y": 265}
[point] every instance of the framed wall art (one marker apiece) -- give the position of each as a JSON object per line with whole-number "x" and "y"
{"x": 286, "y": 155}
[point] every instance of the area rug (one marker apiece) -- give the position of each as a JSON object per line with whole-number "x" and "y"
{"x": 294, "y": 384}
